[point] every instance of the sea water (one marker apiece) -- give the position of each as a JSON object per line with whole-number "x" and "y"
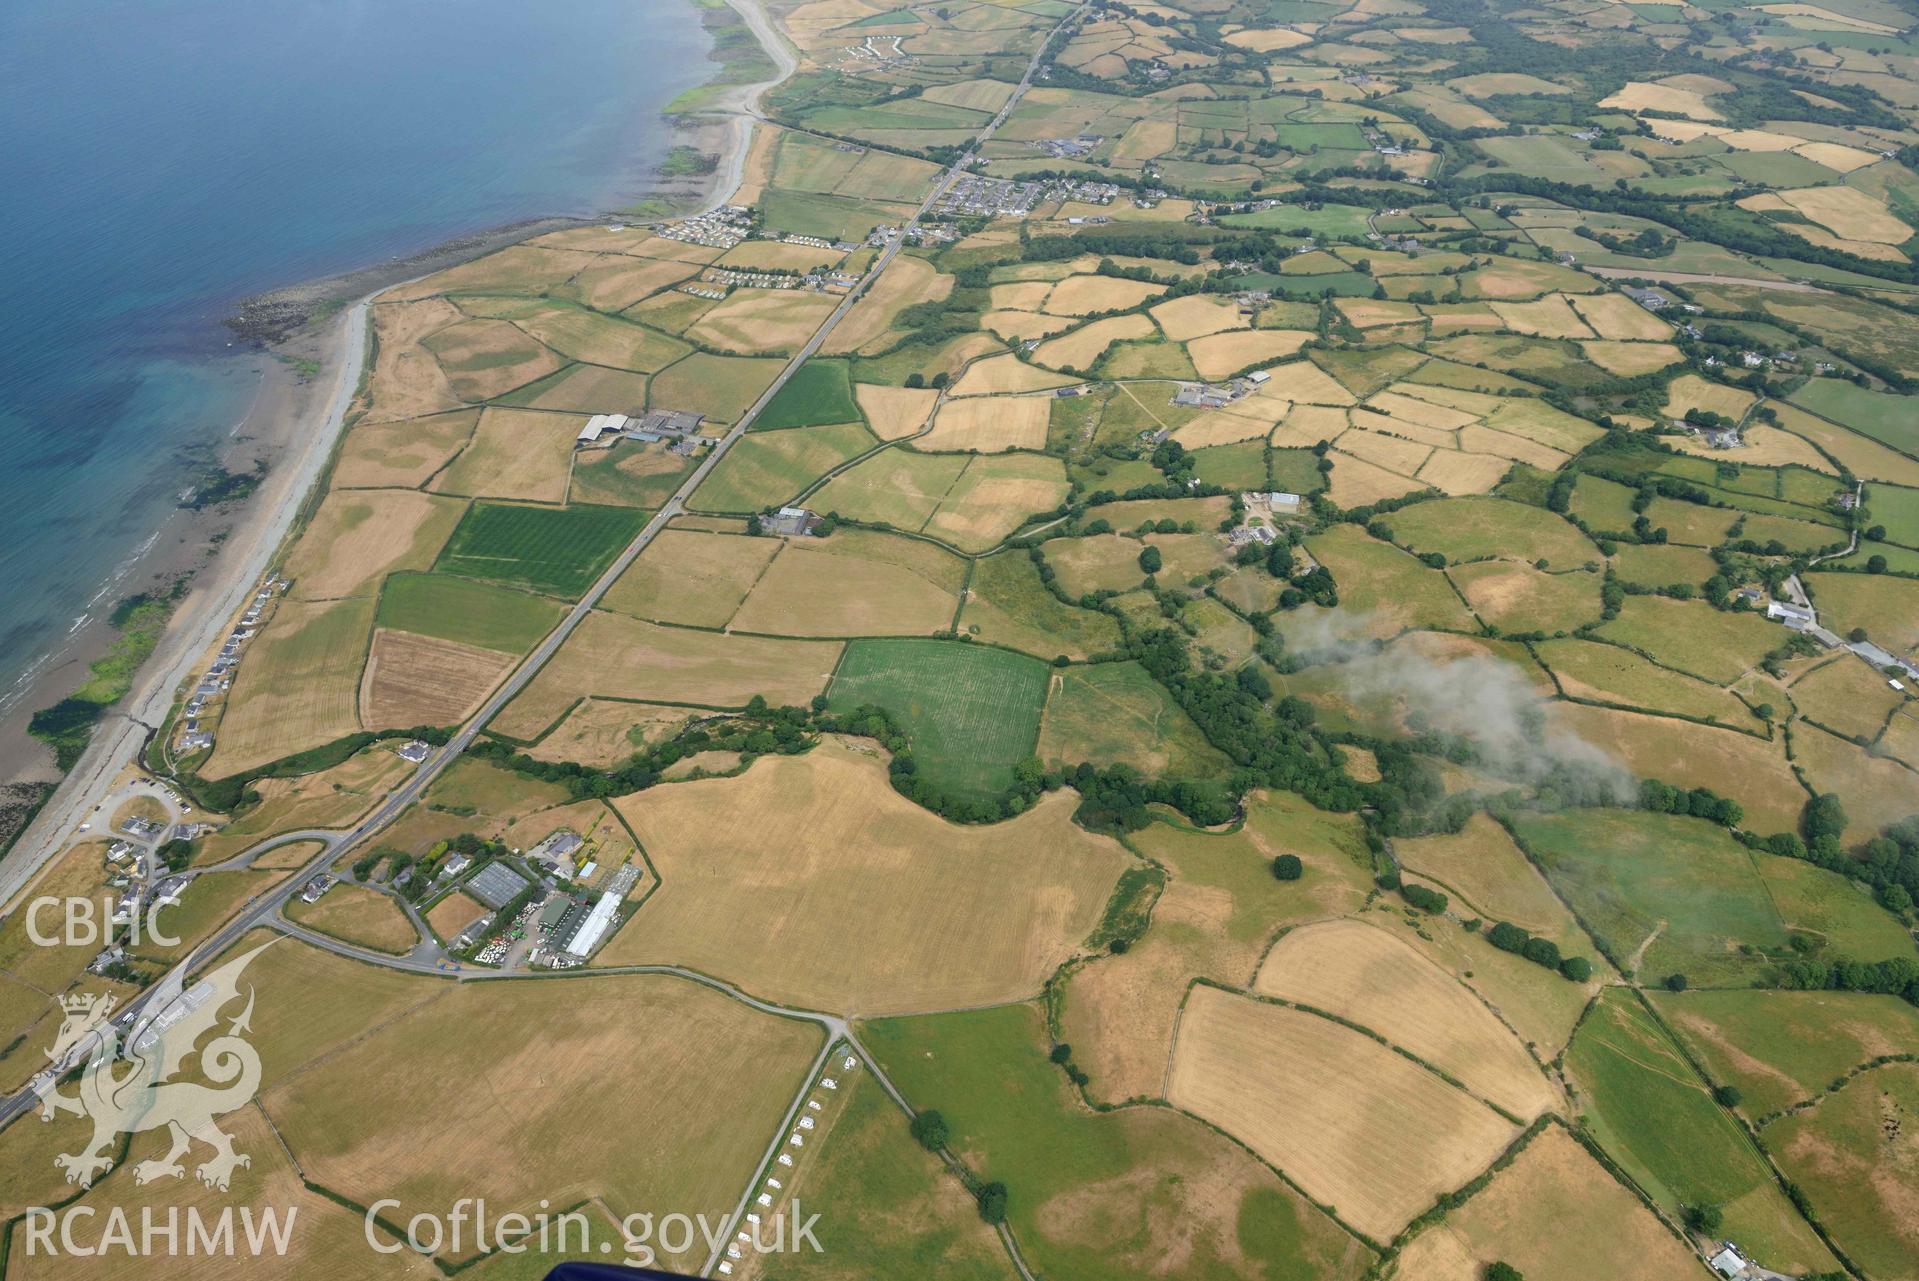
{"x": 162, "y": 159}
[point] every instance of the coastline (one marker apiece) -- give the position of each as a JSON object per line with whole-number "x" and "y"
{"x": 214, "y": 597}
{"x": 293, "y": 424}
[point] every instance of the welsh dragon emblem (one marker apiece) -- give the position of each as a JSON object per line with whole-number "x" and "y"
{"x": 131, "y": 1087}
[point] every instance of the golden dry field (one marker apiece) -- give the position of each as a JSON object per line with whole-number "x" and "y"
{"x": 300, "y": 685}
{"x": 360, "y": 916}
{"x": 1356, "y": 1126}
{"x": 690, "y": 577}
{"x": 607, "y": 731}
{"x": 423, "y": 680}
{"x": 1214, "y": 919}
{"x": 1482, "y": 867}
{"x": 907, "y": 588}
{"x": 895, "y": 412}
{"x": 988, "y": 424}
{"x": 405, "y": 453}
{"x": 1362, "y": 974}
{"x": 1548, "y": 1214}
{"x": 856, "y": 902}
{"x": 613, "y": 656}
{"x": 358, "y": 537}
{"x": 524, "y": 454}
{"x": 704, "y": 1077}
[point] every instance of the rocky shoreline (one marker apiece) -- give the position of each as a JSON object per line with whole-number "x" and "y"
{"x": 269, "y": 319}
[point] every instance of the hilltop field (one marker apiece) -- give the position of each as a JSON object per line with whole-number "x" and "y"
{"x": 1313, "y": 679}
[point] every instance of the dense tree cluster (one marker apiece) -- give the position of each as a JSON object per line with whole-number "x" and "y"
{"x": 1508, "y": 937}
{"x": 1888, "y": 862}
{"x": 1699, "y": 802}
{"x": 930, "y": 1129}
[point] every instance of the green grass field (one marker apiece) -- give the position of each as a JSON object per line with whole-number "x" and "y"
{"x": 1853, "y": 1157}
{"x": 829, "y": 217}
{"x": 1329, "y": 220}
{"x": 560, "y": 550}
{"x": 1888, "y": 608}
{"x": 1898, "y": 510}
{"x": 1295, "y": 471}
{"x": 767, "y": 470}
{"x": 1652, "y": 565}
{"x": 820, "y": 393}
{"x": 1783, "y": 1047}
{"x": 1830, "y": 906}
{"x": 721, "y": 387}
{"x": 1599, "y": 673}
{"x": 891, "y": 1209}
{"x": 1008, "y": 605}
{"x": 898, "y": 487}
{"x": 1101, "y": 1197}
{"x": 971, "y": 712}
{"x": 1652, "y": 1113}
{"x": 1241, "y": 466}
{"x": 460, "y": 609}
{"x": 1380, "y": 579}
{"x": 1464, "y": 529}
{"x": 1884, "y": 417}
{"x": 1899, "y": 560}
{"x": 1693, "y": 637}
{"x": 1680, "y": 882}
{"x": 1115, "y": 712}
{"x": 1684, "y": 897}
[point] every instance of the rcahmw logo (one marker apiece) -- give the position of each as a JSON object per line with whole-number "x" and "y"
{"x": 159, "y": 1231}
{"x": 132, "y": 1088}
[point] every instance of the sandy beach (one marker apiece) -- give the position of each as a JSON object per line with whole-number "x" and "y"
{"x": 293, "y": 426}
{"x": 739, "y": 106}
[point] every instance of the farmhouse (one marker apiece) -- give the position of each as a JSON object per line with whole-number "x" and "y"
{"x": 1270, "y": 505}
{"x": 1244, "y": 534}
{"x": 1730, "y": 1263}
{"x": 313, "y": 889}
{"x": 792, "y": 522}
{"x": 555, "y": 853}
{"x": 1202, "y": 396}
{"x": 665, "y": 424}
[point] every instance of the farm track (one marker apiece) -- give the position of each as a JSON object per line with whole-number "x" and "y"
{"x": 267, "y": 909}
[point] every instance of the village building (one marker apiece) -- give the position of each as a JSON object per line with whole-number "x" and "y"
{"x": 790, "y": 522}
